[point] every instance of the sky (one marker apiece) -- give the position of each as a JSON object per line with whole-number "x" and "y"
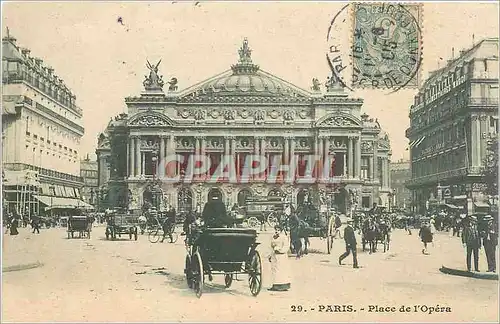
{"x": 103, "y": 61}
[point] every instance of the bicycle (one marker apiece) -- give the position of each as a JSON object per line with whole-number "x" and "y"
{"x": 156, "y": 233}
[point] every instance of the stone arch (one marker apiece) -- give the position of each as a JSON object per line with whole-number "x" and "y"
{"x": 150, "y": 119}
{"x": 215, "y": 192}
{"x": 338, "y": 119}
{"x": 184, "y": 199}
{"x": 301, "y": 196}
{"x": 243, "y": 195}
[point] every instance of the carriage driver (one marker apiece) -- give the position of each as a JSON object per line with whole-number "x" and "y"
{"x": 215, "y": 214}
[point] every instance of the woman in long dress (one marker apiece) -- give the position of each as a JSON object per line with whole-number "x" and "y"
{"x": 280, "y": 267}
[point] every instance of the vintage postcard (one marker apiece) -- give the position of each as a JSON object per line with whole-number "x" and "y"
{"x": 217, "y": 161}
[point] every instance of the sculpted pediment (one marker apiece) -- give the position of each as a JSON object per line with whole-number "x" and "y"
{"x": 338, "y": 120}
{"x": 150, "y": 119}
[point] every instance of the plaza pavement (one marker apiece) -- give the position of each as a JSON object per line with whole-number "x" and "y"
{"x": 98, "y": 280}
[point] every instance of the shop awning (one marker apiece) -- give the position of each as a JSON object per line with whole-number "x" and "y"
{"x": 451, "y": 206}
{"x": 60, "y": 202}
{"x": 481, "y": 204}
{"x": 459, "y": 197}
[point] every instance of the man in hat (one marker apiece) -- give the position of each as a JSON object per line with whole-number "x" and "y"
{"x": 472, "y": 240}
{"x": 490, "y": 242}
{"x": 214, "y": 213}
{"x": 350, "y": 244}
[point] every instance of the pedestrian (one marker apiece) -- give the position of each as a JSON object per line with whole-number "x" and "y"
{"x": 350, "y": 245}
{"x": 14, "y": 223}
{"x": 35, "y": 224}
{"x": 280, "y": 266}
{"x": 432, "y": 226}
{"x": 490, "y": 242}
{"x": 168, "y": 224}
{"x": 472, "y": 241}
{"x": 425, "y": 234}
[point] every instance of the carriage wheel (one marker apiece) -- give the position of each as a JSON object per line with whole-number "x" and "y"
{"x": 255, "y": 274}
{"x": 253, "y": 222}
{"x": 272, "y": 220}
{"x": 188, "y": 271}
{"x": 154, "y": 235}
{"x": 198, "y": 278}
{"x": 228, "y": 279}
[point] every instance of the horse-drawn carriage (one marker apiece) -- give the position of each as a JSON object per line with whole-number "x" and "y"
{"x": 224, "y": 251}
{"x": 79, "y": 224}
{"x": 316, "y": 223}
{"x": 374, "y": 232}
{"x": 120, "y": 223}
{"x": 262, "y": 211}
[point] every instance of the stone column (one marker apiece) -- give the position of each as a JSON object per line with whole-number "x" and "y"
{"x": 256, "y": 144}
{"x": 138, "y": 156}
{"x": 131, "y": 171}
{"x": 286, "y": 152}
{"x": 330, "y": 155}
{"x": 358, "y": 158}
{"x": 350, "y": 149}
{"x": 375, "y": 160}
{"x": 263, "y": 153}
{"x": 344, "y": 155}
{"x": 233, "y": 153}
{"x": 292, "y": 158}
{"x": 143, "y": 160}
{"x": 388, "y": 173}
{"x": 476, "y": 141}
{"x": 384, "y": 172}
{"x": 161, "y": 158}
{"x": 370, "y": 166}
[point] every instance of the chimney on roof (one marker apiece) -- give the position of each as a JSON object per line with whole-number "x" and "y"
{"x": 50, "y": 70}
{"x": 38, "y": 61}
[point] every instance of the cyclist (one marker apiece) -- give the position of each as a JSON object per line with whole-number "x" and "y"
{"x": 168, "y": 224}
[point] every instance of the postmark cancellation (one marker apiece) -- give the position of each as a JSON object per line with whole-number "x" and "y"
{"x": 386, "y": 45}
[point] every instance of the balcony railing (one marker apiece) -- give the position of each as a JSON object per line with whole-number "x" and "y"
{"x": 436, "y": 177}
{"x": 484, "y": 101}
{"x": 42, "y": 171}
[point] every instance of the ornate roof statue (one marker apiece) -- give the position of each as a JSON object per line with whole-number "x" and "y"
{"x": 332, "y": 84}
{"x": 316, "y": 85}
{"x": 172, "y": 84}
{"x": 245, "y": 53}
{"x": 245, "y": 65}
{"x": 153, "y": 81}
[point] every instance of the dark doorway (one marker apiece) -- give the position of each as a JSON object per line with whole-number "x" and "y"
{"x": 243, "y": 195}
{"x": 214, "y": 192}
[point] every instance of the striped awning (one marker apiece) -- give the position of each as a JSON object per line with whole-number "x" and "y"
{"x": 416, "y": 142}
{"x": 60, "y": 202}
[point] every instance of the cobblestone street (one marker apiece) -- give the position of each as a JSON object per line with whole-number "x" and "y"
{"x": 99, "y": 280}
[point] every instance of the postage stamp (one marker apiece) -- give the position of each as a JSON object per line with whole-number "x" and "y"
{"x": 386, "y": 45}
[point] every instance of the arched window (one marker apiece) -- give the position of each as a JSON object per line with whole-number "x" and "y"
{"x": 243, "y": 196}
{"x": 184, "y": 200}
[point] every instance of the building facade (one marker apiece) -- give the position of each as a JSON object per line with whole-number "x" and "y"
{"x": 400, "y": 174}
{"x": 453, "y": 117}
{"x": 41, "y": 133}
{"x": 89, "y": 174}
{"x": 242, "y": 112}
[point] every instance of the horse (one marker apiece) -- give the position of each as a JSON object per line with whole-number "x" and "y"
{"x": 369, "y": 231}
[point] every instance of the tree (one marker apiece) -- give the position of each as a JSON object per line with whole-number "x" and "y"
{"x": 490, "y": 170}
